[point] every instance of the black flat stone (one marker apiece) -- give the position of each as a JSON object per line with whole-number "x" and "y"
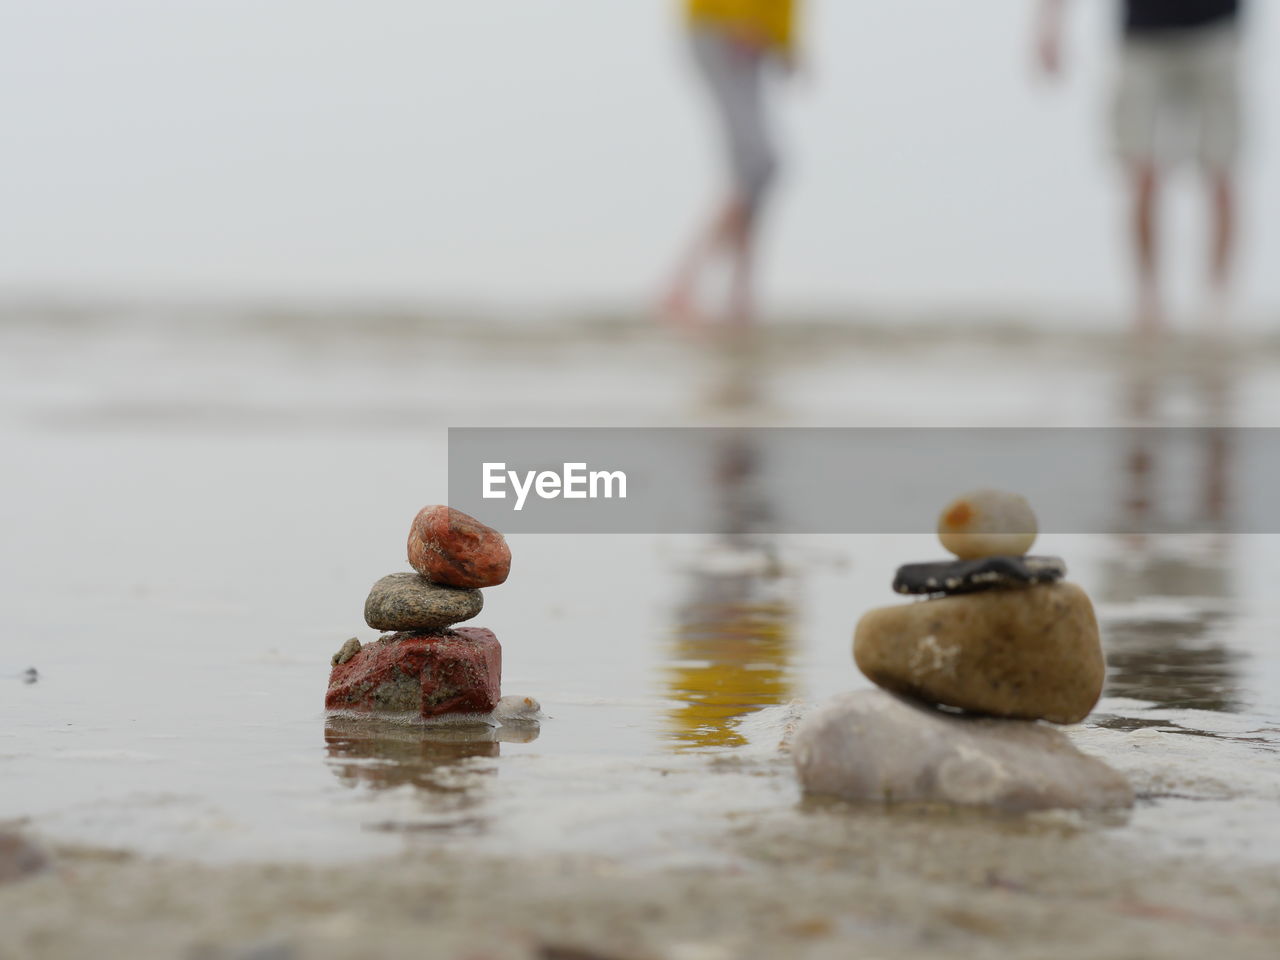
{"x": 973, "y": 576}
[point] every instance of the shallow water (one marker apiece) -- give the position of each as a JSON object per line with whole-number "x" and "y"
{"x": 196, "y": 506}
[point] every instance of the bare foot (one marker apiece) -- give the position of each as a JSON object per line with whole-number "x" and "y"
{"x": 1149, "y": 321}
{"x": 738, "y": 369}
{"x": 1218, "y": 310}
{"x": 679, "y": 312}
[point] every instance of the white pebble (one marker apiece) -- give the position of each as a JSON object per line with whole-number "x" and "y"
{"x": 517, "y": 709}
{"x": 987, "y": 523}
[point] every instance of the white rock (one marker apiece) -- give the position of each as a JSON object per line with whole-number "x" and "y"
{"x": 987, "y": 523}
{"x": 874, "y": 746}
{"x": 517, "y": 709}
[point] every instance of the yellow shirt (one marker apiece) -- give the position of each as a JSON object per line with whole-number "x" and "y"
{"x": 771, "y": 20}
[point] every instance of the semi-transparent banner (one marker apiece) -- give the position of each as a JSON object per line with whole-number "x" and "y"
{"x": 816, "y": 480}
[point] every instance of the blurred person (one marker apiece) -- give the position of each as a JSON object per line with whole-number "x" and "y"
{"x": 734, "y": 44}
{"x": 1177, "y": 99}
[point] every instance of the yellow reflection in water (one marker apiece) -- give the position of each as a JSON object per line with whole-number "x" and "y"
{"x": 731, "y": 655}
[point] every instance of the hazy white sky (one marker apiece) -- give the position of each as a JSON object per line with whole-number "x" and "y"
{"x": 559, "y": 151}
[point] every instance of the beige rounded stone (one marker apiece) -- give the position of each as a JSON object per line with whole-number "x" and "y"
{"x": 987, "y": 523}
{"x": 1033, "y": 654}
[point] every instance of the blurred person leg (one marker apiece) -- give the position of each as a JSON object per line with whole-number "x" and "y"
{"x": 1215, "y": 82}
{"x": 754, "y": 163}
{"x": 1222, "y": 190}
{"x": 1145, "y": 189}
{"x": 733, "y": 64}
{"x": 1142, "y": 97}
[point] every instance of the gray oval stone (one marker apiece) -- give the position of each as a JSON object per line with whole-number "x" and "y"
{"x": 408, "y": 601}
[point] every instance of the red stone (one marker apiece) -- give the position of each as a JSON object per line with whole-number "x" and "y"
{"x": 428, "y": 674}
{"x": 447, "y": 546}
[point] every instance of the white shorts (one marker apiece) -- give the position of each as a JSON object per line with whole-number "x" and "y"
{"x": 1178, "y": 98}
{"x": 736, "y": 80}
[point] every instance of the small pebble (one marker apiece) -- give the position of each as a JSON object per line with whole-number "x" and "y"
{"x": 346, "y": 652}
{"x": 987, "y": 523}
{"x": 517, "y": 709}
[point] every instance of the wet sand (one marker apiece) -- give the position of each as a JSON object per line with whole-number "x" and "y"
{"x": 198, "y": 503}
{"x": 837, "y": 882}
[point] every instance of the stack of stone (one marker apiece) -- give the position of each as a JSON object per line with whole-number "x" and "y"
{"x": 425, "y": 667}
{"x": 998, "y": 635}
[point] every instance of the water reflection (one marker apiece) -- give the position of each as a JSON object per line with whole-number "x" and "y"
{"x": 1166, "y": 487}
{"x": 1173, "y": 664}
{"x": 732, "y": 644}
{"x": 1178, "y": 659}
{"x": 381, "y": 755}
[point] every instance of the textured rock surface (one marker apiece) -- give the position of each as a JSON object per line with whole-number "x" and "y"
{"x": 974, "y": 576}
{"x": 409, "y": 601}
{"x": 987, "y": 523}
{"x": 427, "y": 674}
{"x": 872, "y": 745}
{"x": 449, "y": 547}
{"x": 1032, "y": 653}
{"x": 346, "y": 652}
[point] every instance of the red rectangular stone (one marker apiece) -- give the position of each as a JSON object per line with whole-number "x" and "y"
{"x": 428, "y": 674}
